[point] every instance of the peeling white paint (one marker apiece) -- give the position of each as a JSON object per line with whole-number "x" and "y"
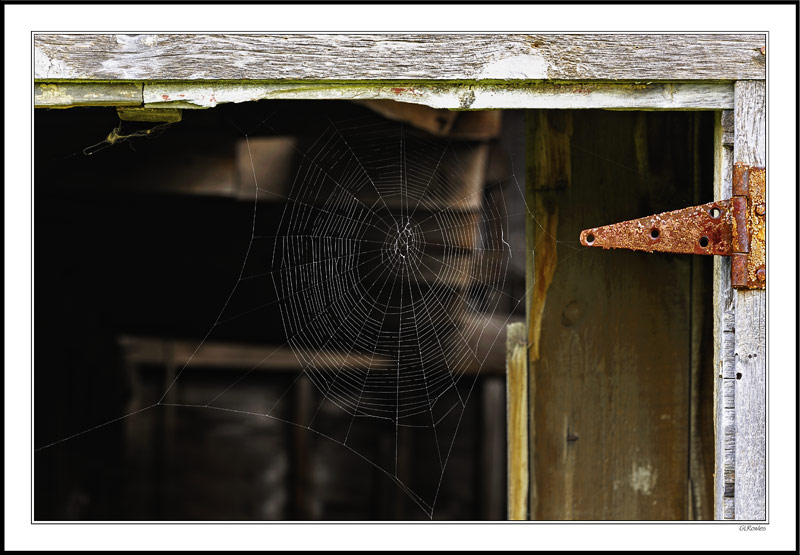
{"x": 44, "y": 65}
{"x": 524, "y": 66}
{"x": 186, "y": 94}
{"x": 475, "y": 97}
{"x": 643, "y": 478}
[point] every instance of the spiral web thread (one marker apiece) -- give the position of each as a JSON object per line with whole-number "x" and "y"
{"x": 385, "y": 268}
{"x": 380, "y": 254}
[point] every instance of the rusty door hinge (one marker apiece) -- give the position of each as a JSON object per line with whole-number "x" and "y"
{"x": 735, "y": 227}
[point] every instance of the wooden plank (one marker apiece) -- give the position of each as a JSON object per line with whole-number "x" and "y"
{"x": 373, "y": 57}
{"x": 470, "y": 125}
{"x": 750, "y": 327}
{"x": 214, "y": 354}
{"x": 143, "y": 350}
{"x": 517, "y": 420}
{"x": 723, "y": 333}
{"x": 301, "y": 454}
{"x": 269, "y": 162}
{"x": 582, "y": 95}
{"x": 548, "y": 167}
{"x": 68, "y": 95}
{"x": 493, "y": 471}
{"x": 450, "y": 96}
{"x": 724, "y": 322}
{"x": 169, "y": 425}
{"x": 159, "y": 115}
{"x": 611, "y": 398}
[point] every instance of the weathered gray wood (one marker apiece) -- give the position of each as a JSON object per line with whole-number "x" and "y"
{"x": 678, "y": 96}
{"x": 67, "y": 95}
{"x": 750, "y": 328}
{"x": 399, "y": 56}
{"x": 724, "y": 329}
{"x": 451, "y": 96}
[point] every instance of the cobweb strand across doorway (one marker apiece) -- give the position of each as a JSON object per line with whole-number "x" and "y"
{"x": 382, "y": 268}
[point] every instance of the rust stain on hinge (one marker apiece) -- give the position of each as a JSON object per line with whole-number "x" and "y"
{"x": 704, "y": 229}
{"x": 735, "y": 227}
{"x": 749, "y": 262}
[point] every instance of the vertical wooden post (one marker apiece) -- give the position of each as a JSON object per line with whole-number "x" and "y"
{"x": 302, "y": 411}
{"x": 724, "y": 425}
{"x": 168, "y": 497}
{"x": 491, "y": 448}
{"x": 517, "y": 418}
{"x": 740, "y": 332}
{"x": 548, "y": 170}
{"x": 749, "y": 148}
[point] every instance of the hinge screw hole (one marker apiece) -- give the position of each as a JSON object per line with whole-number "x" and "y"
{"x": 714, "y": 212}
{"x": 654, "y": 233}
{"x": 589, "y": 239}
{"x": 704, "y": 241}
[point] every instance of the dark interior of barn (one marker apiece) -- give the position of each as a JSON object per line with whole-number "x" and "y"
{"x": 146, "y": 294}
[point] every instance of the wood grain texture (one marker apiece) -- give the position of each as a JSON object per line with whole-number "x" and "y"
{"x": 724, "y": 335}
{"x": 517, "y": 421}
{"x": 611, "y": 399}
{"x": 750, "y": 321}
{"x": 399, "y": 56}
{"x": 450, "y": 96}
{"x": 548, "y": 168}
{"x": 67, "y": 95}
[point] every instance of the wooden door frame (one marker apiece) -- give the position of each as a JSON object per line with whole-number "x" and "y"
{"x": 739, "y": 330}
{"x": 726, "y": 73}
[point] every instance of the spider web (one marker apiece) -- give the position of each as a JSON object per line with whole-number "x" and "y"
{"x": 384, "y": 267}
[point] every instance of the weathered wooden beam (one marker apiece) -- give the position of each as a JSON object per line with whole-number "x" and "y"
{"x": 455, "y": 96}
{"x": 517, "y": 421}
{"x": 143, "y": 350}
{"x": 400, "y": 56}
{"x": 69, "y": 95}
{"x": 749, "y": 147}
{"x": 222, "y": 355}
{"x": 740, "y": 332}
{"x": 169, "y": 115}
{"x": 474, "y": 125}
{"x": 493, "y": 426}
{"x": 450, "y": 96}
{"x": 724, "y": 422}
